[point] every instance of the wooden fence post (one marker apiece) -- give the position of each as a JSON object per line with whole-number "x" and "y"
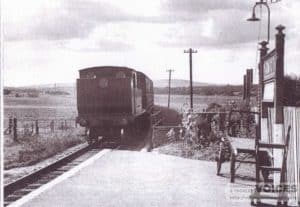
{"x": 52, "y": 126}
{"x": 36, "y": 126}
{"x": 10, "y": 125}
{"x": 222, "y": 122}
{"x": 244, "y": 87}
{"x": 32, "y": 127}
{"x": 15, "y": 129}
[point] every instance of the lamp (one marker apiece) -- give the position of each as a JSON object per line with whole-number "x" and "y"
{"x": 255, "y": 19}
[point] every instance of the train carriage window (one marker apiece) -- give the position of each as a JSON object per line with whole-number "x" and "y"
{"x": 120, "y": 75}
{"x": 103, "y": 83}
{"x": 90, "y": 75}
{"x": 148, "y": 85}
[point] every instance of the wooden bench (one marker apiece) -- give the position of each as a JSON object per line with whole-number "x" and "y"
{"x": 237, "y": 145}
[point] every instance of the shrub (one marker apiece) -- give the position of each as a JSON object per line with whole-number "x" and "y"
{"x": 6, "y": 91}
{"x": 33, "y": 94}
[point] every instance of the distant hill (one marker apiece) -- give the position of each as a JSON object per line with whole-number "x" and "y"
{"x": 177, "y": 83}
{"x": 51, "y": 89}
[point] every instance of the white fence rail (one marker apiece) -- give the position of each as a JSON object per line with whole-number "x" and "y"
{"x": 291, "y": 118}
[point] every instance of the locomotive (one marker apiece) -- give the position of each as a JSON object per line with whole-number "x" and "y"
{"x": 113, "y": 102}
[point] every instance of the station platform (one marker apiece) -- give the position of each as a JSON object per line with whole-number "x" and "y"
{"x": 126, "y": 178}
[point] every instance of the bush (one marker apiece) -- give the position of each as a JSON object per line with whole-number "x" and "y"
{"x": 6, "y": 91}
{"x": 33, "y": 94}
{"x": 57, "y": 93}
{"x": 203, "y": 129}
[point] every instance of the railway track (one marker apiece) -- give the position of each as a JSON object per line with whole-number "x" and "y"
{"x": 23, "y": 186}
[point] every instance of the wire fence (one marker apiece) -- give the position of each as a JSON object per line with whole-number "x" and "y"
{"x": 17, "y": 127}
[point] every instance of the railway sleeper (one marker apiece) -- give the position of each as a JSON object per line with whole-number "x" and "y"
{"x": 6, "y": 203}
{"x": 33, "y": 186}
{"x": 12, "y": 198}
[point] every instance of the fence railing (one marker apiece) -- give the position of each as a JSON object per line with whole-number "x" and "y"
{"x": 203, "y": 128}
{"x": 292, "y": 118}
{"x": 17, "y": 127}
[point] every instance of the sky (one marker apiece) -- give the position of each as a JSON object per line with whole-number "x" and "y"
{"x": 49, "y": 41}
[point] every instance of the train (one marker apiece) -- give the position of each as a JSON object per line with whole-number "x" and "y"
{"x": 113, "y": 102}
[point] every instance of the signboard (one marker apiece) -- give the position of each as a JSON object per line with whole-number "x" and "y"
{"x": 269, "y": 92}
{"x": 269, "y": 66}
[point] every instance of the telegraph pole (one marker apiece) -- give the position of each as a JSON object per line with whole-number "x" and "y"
{"x": 170, "y": 71}
{"x": 191, "y": 51}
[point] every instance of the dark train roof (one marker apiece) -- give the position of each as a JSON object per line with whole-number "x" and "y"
{"x": 84, "y": 70}
{"x": 107, "y": 67}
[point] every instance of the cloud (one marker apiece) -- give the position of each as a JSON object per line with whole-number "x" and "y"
{"x": 222, "y": 25}
{"x": 222, "y": 28}
{"x": 150, "y": 35}
{"x": 211, "y": 22}
{"x": 196, "y": 5}
{"x": 77, "y": 18}
{"x": 69, "y": 19}
{"x": 100, "y": 45}
{"x": 193, "y": 10}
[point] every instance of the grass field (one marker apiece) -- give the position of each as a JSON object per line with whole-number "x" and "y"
{"x": 47, "y": 106}
{"x": 33, "y": 148}
{"x": 178, "y": 102}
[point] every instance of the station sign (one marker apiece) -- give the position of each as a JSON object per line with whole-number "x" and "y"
{"x": 269, "y": 67}
{"x": 268, "y": 94}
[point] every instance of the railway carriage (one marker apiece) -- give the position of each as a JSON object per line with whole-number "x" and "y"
{"x": 113, "y": 101}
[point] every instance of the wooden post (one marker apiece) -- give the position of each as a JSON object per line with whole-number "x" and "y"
{"x": 32, "y": 127}
{"x": 279, "y": 75}
{"x": 10, "y": 125}
{"x": 36, "y": 127}
{"x": 170, "y": 72}
{"x": 191, "y": 51}
{"x": 222, "y": 122}
{"x": 249, "y": 81}
{"x": 245, "y": 87}
{"x": 232, "y": 166}
{"x": 52, "y": 126}
{"x": 278, "y": 99}
{"x": 263, "y": 120}
{"x": 15, "y": 130}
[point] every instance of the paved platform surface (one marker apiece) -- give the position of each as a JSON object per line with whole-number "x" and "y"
{"x": 124, "y": 178}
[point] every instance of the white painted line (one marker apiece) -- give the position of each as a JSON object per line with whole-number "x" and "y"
{"x": 59, "y": 179}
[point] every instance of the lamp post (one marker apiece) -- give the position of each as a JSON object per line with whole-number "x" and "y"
{"x": 263, "y": 52}
{"x": 253, "y": 18}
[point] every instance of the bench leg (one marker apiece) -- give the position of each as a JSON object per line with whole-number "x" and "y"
{"x": 232, "y": 167}
{"x": 219, "y": 162}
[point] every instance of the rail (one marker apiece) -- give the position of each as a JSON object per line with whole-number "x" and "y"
{"x": 24, "y": 181}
